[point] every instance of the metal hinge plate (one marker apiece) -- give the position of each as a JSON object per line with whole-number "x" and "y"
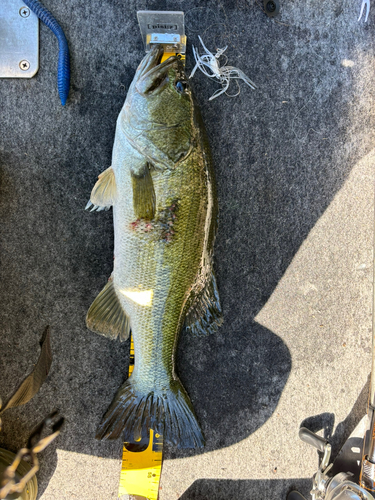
{"x": 19, "y": 40}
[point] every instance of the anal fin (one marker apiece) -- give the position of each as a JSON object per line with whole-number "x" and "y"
{"x": 104, "y": 193}
{"x": 143, "y": 194}
{"x": 205, "y": 315}
{"x": 106, "y": 315}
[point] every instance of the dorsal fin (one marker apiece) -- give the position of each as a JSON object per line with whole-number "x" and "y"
{"x": 205, "y": 314}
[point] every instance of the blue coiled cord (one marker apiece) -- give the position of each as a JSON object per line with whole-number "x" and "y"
{"x": 63, "y": 67}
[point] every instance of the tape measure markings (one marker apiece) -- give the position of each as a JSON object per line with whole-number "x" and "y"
{"x": 140, "y": 471}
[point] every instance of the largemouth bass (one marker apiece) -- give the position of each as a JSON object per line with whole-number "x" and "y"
{"x": 161, "y": 186}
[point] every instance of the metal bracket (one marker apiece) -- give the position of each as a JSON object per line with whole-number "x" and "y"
{"x": 163, "y": 27}
{"x": 19, "y": 40}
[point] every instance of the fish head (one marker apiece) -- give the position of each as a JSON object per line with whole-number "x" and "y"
{"x": 160, "y": 106}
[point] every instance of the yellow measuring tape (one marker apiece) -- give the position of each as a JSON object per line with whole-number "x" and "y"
{"x": 140, "y": 470}
{"x": 167, "y": 55}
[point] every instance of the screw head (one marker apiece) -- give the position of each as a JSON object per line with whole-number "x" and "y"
{"x": 271, "y": 7}
{"x": 24, "y": 65}
{"x": 24, "y": 11}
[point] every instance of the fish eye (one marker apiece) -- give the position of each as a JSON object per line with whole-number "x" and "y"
{"x": 181, "y": 86}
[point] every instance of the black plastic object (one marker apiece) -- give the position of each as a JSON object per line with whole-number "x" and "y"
{"x": 294, "y": 495}
{"x": 271, "y": 7}
{"x": 312, "y": 439}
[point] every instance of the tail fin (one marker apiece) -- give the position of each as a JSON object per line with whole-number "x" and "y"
{"x": 169, "y": 413}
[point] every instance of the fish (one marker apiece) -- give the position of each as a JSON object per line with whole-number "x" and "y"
{"x": 162, "y": 189}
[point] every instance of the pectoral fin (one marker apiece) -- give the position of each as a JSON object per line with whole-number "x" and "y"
{"x": 205, "y": 314}
{"x": 106, "y": 315}
{"x": 104, "y": 192}
{"x": 143, "y": 193}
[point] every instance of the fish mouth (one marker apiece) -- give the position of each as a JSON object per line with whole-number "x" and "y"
{"x": 153, "y": 74}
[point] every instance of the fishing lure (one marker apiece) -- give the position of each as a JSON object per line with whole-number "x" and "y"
{"x": 365, "y": 3}
{"x": 208, "y": 63}
{"x": 63, "y": 65}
